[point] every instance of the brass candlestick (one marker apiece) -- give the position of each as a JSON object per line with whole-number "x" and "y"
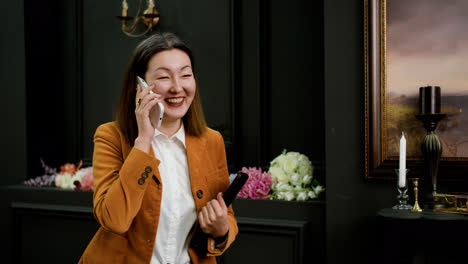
{"x": 416, "y": 207}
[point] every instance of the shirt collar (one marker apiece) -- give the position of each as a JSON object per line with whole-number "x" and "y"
{"x": 180, "y": 134}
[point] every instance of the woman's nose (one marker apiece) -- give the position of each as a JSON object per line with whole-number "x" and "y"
{"x": 176, "y": 86}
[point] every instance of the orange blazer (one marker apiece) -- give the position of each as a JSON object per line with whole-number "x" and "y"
{"x": 128, "y": 191}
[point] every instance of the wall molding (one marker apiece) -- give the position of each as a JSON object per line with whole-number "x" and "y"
{"x": 297, "y": 230}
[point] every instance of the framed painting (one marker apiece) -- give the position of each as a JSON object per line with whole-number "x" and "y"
{"x": 408, "y": 45}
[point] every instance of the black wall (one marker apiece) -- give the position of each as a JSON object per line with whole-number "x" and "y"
{"x": 13, "y": 98}
{"x": 352, "y": 234}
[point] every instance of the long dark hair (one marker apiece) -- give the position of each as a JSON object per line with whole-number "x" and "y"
{"x": 194, "y": 119}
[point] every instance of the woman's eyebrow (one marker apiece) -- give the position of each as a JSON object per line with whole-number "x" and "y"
{"x": 167, "y": 69}
{"x": 161, "y": 68}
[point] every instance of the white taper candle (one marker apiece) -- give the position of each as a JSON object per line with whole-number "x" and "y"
{"x": 402, "y": 170}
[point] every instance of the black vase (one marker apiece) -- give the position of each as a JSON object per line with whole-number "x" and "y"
{"x": 431, "y": 149}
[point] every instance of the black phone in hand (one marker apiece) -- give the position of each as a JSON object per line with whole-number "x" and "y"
{"x": 230, "y": 194}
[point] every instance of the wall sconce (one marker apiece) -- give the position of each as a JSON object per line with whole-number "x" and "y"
{"x": 150, "y": 18}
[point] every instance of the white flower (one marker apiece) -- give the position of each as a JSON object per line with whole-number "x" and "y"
{"x": 318, "y": 189}
{"x": 302, "y": 196}
{"x": 283, "y": 187}
{"x": 307, "y": 179}
{"x": 298, "y": 189}
{"x": 279, "y": 175}
{"x": 58, "y": 180}
{"x": 290, "y": 165}
{"x": 305, "y": 168}
{"x": 296, "y": 179}
{"x": 293, "y": 155}
{"x": 312, "y": 195}
{"x": 289, "y": 196}
{"x": 78, "y": 176}
{"x": 277, "y": 160}
{"x": 281, "y": 195}
{"x": 67, "y": 182}
{"x": 293, "y": 174}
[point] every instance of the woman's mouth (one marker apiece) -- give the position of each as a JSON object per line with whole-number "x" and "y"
{"x": 175, "y": 101}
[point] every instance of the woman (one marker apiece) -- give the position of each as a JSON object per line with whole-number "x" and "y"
{"x": 155, "y": 187}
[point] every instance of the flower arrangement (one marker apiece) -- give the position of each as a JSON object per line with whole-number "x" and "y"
{"x": 293, "y": 176}
{"x": 258, "y": 184}
{"x": 289, "y": 177}
{"x": 70, "y": 177}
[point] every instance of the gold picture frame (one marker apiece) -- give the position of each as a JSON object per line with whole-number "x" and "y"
{"x": 379, "y": 165}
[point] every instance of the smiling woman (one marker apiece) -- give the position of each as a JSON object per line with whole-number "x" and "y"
{"x": 170, "y": 75}
{"x": 134, "y": 161}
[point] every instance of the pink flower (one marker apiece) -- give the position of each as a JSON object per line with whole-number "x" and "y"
{"x": 258, "y": 184}
{"x": 87, "y": 180}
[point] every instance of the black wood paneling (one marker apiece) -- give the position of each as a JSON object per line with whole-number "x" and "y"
{"x": 13, "y": 99}
{"x": 49, "y": 225}
{"x": 53, "y": 83}
{"x": 51, "y": 234}
{"x": 280, "y": 104}
{"x": 352, "y": 204}
{"x": 258, "y": 237}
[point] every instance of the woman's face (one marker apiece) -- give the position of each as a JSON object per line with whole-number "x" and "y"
{"x": 171, "y": 73}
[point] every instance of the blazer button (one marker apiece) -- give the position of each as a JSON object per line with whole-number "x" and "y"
{"x": 144, "y": 175}
{"x": 141, "y": 181}
{"x": 148, "y": 169}
{"x": 199, "y": 194}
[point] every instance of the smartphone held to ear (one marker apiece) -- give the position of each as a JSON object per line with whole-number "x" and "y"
{"x": 159, "y": 106}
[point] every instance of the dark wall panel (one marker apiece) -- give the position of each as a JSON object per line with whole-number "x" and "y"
{"x": 13, "y": 105}
{"x": 280, "y": 104}
{"x": 52, "y": 76}
{"x": 55, "y": 226}
{"x": 296, "y": 107}
{"x": 269, "y": 241}
{"x": 51, "y": 237}
{"x": 248, "y": 99}
{"x": 352, "y": 204}
{"x": 106, "y": 51}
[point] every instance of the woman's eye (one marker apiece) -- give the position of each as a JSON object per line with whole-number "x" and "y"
{"x": 186, "y": 75}
{"x": 163, "y": 77}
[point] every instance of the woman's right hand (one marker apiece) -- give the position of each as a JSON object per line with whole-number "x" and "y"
{"x": 145, "y": 102}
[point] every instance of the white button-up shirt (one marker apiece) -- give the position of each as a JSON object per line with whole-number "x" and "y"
{"x": 178, "y": 212}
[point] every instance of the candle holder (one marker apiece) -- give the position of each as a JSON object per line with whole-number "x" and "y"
{"x": 416, "y": 207}
{"x": 431, "y": 149}
{"x": 402, "y": 188}
{"x": 150, "y": 18}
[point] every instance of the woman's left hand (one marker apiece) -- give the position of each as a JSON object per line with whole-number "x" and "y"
{"x": 213, "y": 217}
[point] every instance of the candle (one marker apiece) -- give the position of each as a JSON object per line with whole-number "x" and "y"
{"x": 402, "y": 170}
{"x": 429, "y": 100}
{"x": 124, "y": 8}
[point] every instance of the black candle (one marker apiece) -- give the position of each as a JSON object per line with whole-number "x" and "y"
{"x": 429, "y": 100}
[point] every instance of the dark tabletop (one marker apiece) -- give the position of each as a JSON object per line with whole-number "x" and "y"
{"x": 425, "y": 214}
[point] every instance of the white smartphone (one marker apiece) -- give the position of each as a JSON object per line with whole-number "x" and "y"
{"x": 159, "y": 106}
